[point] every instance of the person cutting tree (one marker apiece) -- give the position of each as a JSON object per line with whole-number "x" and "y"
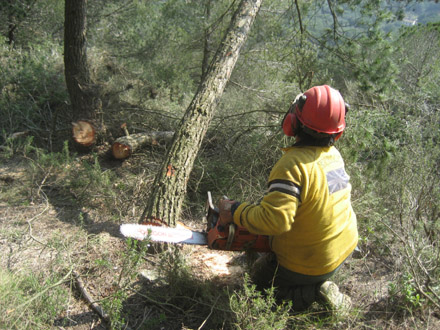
{"x": 306, "y": 210}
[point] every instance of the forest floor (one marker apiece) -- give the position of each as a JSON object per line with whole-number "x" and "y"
{"x": 43, "y": 232}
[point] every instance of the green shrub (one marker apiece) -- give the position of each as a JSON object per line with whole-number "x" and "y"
{"x": 255, "y": 310}
{"x": 33, "y": 98}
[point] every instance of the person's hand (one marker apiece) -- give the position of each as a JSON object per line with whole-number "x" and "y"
{"x": 224, "y": 208}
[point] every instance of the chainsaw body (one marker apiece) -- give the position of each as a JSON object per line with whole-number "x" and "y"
{"x": 232, "y": 237}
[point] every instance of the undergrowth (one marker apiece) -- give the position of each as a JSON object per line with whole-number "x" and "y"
{"x": 401, "y": 230}
{"x": 30, "y": 301}
{"x": 254, "y": 310}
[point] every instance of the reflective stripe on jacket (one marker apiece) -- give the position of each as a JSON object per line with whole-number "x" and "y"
{"x": 307, "y": 210}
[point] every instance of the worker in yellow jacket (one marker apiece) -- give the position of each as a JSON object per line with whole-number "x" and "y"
{"x": 307, "y": 210}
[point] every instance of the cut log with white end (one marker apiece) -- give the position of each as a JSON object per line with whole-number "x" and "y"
{"x": 84, "y": 133}
{"x": 124, "y": 146}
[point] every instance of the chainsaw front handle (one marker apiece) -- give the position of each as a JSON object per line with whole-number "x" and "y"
{"x": 227, "y": 235}
{"x": 225, "y": 206}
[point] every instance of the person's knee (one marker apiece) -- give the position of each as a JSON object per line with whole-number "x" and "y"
{"x": 263, "y": 271}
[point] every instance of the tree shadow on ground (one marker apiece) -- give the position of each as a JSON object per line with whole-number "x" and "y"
{"x": 73, "y": 213}
{"x": 195, "y": 304}
{"x": 88, "y": 320}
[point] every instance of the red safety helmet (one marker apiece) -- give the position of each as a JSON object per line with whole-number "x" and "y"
{"x": 321, "y": 109}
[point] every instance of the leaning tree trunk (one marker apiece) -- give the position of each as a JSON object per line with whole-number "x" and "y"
{"x": 84, "y": 95}
{"x": 169, "y": 187}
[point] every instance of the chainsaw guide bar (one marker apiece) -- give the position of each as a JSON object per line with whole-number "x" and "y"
{"x": 178, "y": 234}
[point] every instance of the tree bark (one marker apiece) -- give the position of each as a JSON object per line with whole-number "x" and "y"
{"x": 169, "y": 187}
{"x": 124, "y": 146}
{"x": 207, "y": 33}
{"x": 84, "y": 95}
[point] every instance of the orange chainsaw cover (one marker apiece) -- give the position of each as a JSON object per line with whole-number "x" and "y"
{"x": 243, "y": 240}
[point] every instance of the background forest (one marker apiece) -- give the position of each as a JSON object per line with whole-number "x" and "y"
{"x": 60, "y": 208}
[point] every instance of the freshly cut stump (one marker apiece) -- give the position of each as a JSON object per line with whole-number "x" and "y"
{"x": 84, "y": 133}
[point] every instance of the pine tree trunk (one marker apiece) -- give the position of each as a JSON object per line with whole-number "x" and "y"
{"x": 84, "y": 95}
{"x": 169, "y": 188}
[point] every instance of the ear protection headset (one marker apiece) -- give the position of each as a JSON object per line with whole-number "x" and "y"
{"x": 322, "y": 115}
{"x": 290, "y": 121}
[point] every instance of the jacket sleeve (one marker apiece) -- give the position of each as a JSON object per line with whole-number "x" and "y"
{"x": 275, "y": 214}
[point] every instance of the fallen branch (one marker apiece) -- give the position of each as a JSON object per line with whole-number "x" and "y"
{"x": 96, "y": 308}
{"x": 124, "y": 146}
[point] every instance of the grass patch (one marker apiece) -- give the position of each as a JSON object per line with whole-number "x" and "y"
{"x": 33, "y": 300}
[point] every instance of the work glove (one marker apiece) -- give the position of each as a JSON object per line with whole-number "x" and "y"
{"x": 225, "y": 213}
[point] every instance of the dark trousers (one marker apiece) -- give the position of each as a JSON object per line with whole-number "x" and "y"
{"x": 301, "y": 289}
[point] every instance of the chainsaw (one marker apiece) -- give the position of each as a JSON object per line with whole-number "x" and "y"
{"x": 216, "y": 236}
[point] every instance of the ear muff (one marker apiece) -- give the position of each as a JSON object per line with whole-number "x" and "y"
{"x": 290, "y": 120}
{"x": 338, "y": 136}
{"x": 290, "y": 123}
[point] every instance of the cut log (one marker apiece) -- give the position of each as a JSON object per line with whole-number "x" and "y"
{"x": 124, "y": 146}
{"x": 84, "y": 133}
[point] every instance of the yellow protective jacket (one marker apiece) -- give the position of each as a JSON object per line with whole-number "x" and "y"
{"x": 306, "y": 210}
